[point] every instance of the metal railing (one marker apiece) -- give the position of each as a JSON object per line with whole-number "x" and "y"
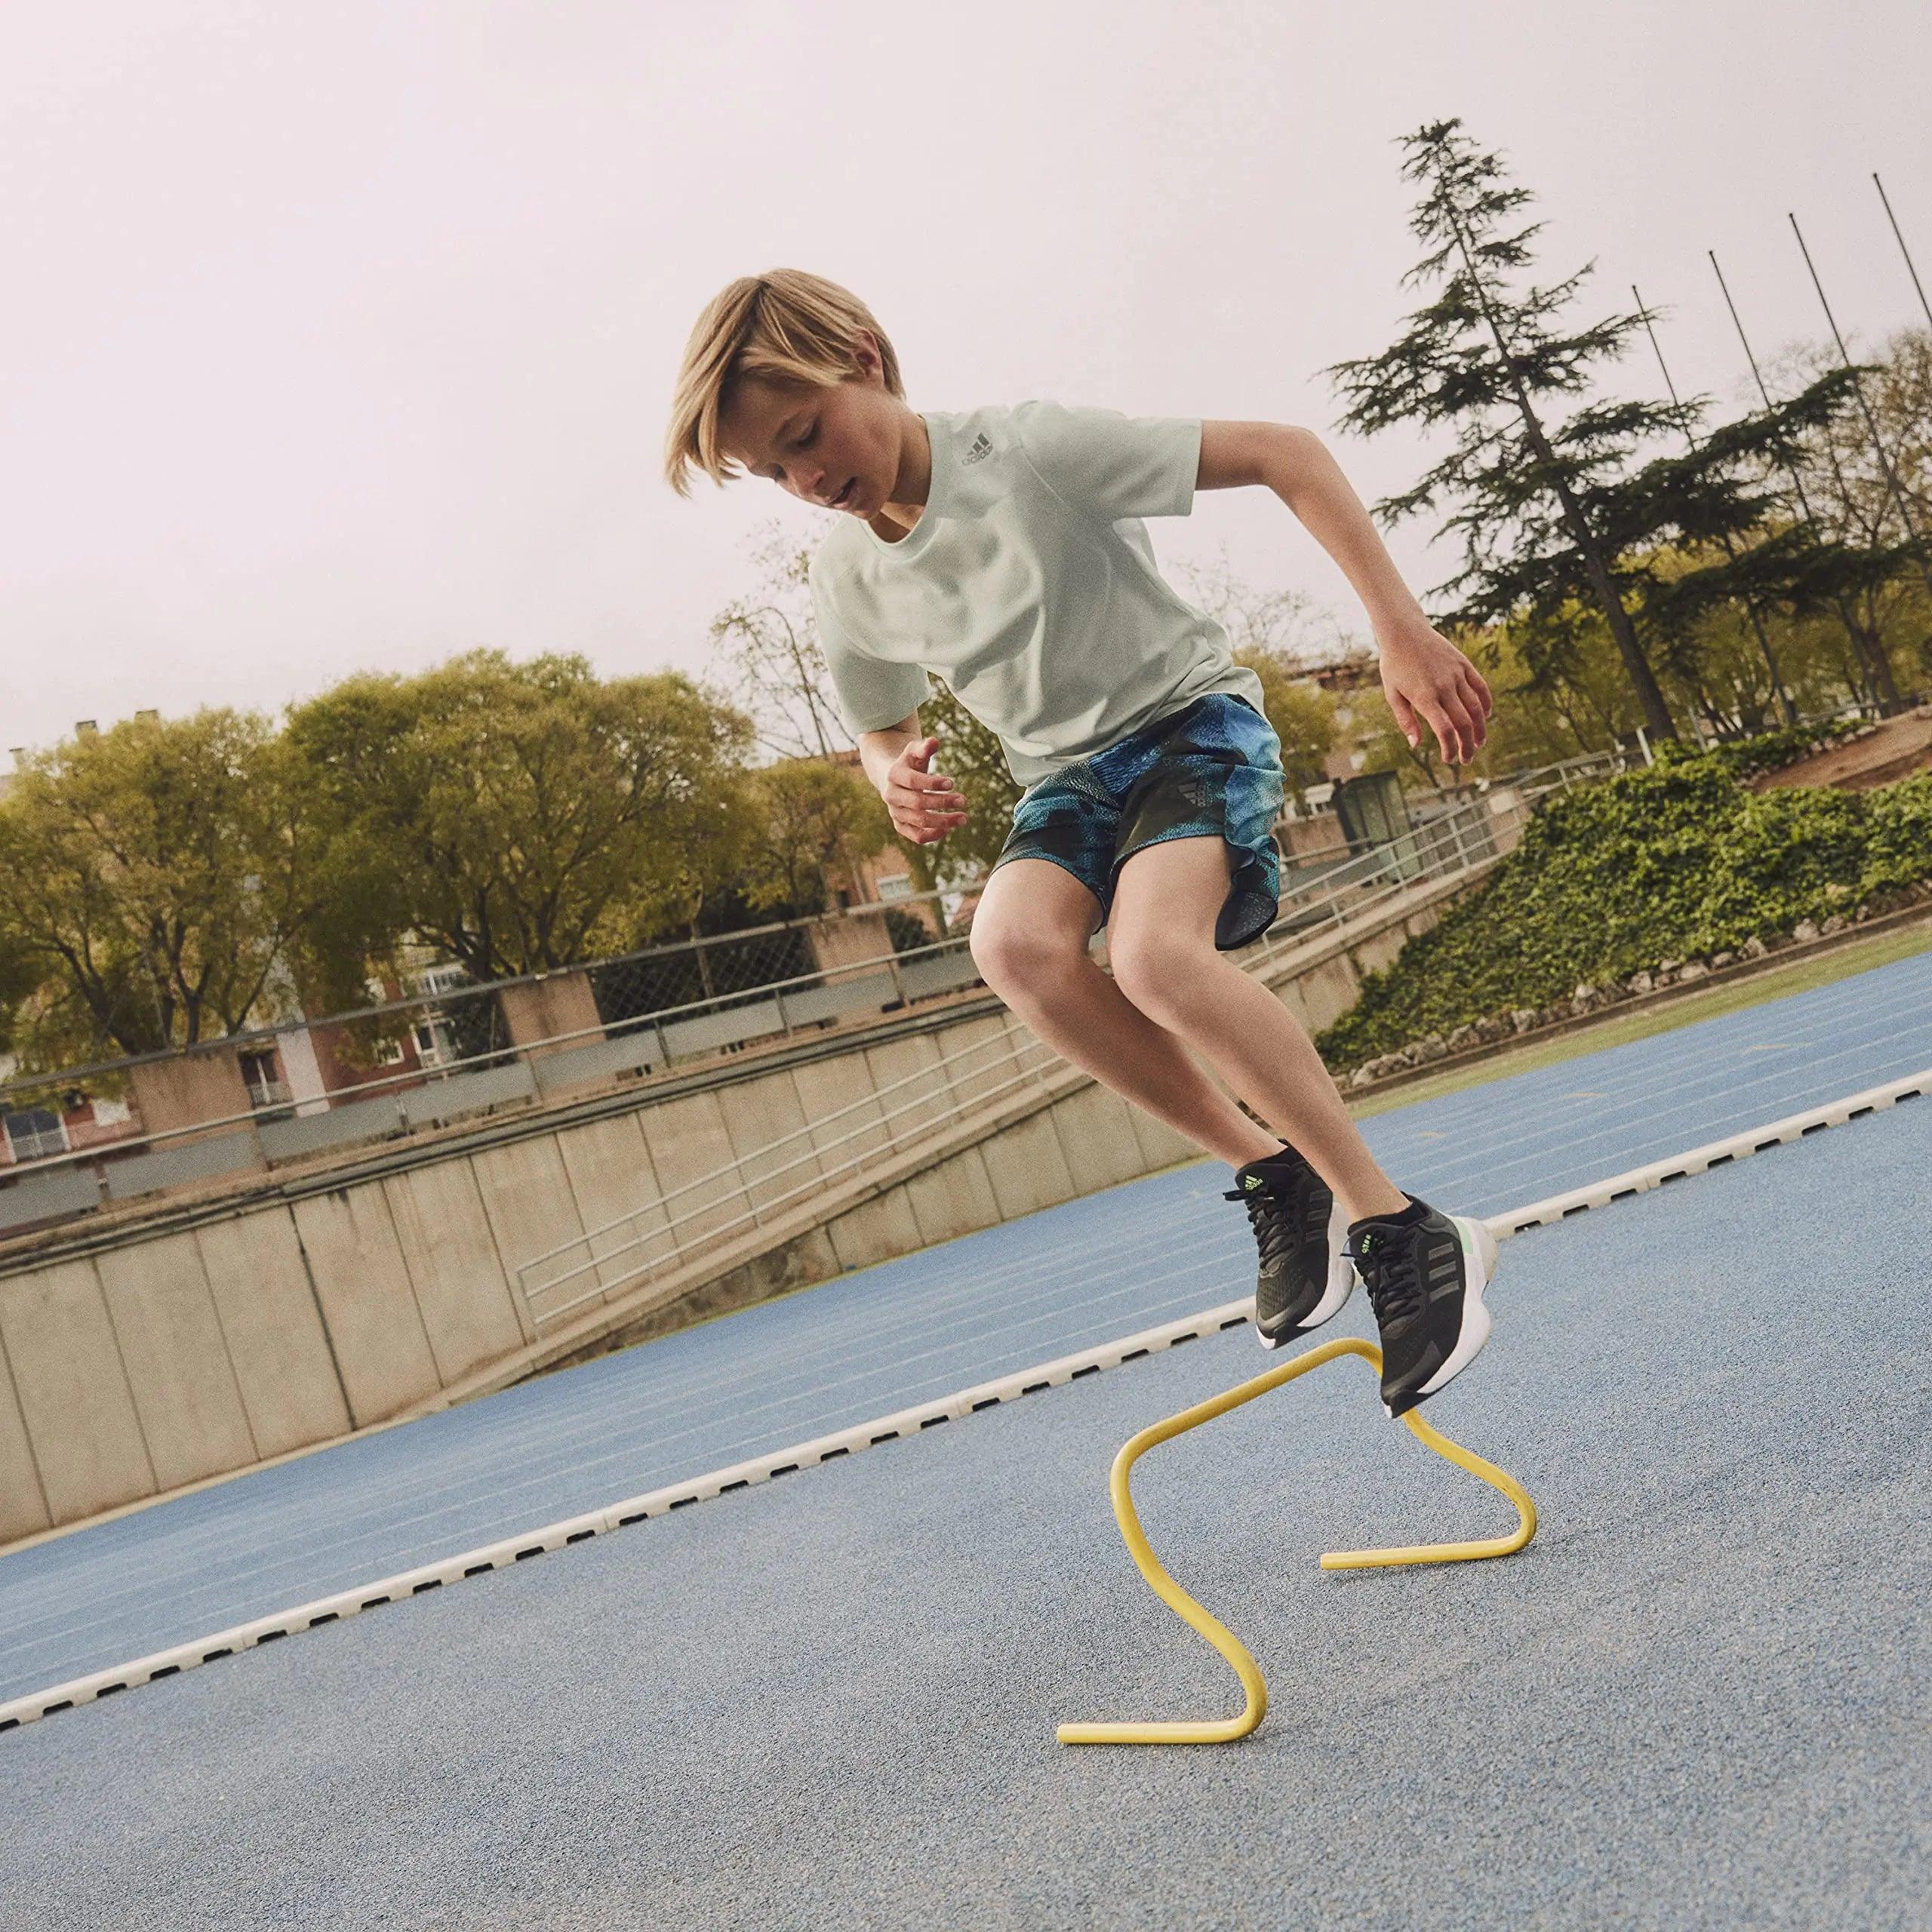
{"x": 1460, "y": 842}
{"x": 1010, "y": 1046}
{"x": 398, "y": 1104}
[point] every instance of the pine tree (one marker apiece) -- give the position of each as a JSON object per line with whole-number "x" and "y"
{"x": 1555, "y": 513}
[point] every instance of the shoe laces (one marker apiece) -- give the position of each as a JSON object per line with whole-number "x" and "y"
{"x": 1387, "y": 1259}
{"x": 1280, "y": 1220}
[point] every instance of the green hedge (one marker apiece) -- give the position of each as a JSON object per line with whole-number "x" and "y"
{"x": 1676, "y": 862}
{"x": 1769, "y": 751}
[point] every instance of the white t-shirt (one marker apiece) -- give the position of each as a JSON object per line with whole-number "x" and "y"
{"x": 1029, "y": 586}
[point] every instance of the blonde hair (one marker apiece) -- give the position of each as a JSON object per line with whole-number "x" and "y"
{"x": 786, "y": 327}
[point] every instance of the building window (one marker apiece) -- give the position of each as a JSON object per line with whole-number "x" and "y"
{"x": 894, "y": 885}
{"x": 34, "y": 1133}
{"x": 261, "y": 1074}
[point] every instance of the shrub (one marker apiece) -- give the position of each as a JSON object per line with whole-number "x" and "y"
{"x": 1676, "y": 862}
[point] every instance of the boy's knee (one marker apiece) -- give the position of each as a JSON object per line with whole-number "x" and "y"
{"x": 1018, "y": 958}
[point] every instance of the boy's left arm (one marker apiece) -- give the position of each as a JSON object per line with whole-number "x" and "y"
{"x": 1424, "y": 675}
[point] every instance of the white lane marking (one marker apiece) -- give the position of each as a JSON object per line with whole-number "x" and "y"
{"x": 633, "y": 1401}
{"x": 902, "y": 1422}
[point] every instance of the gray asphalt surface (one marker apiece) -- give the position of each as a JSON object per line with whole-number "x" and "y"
{"x": 1701, "y": 1698}
{"x": 990, "y": 1304}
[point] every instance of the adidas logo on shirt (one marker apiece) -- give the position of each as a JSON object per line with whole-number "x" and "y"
{"x": 981, "y": 447}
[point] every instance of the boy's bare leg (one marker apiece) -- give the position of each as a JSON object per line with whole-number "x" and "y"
{"x": 1161, "y": 946}
{"x": 1029, "y": 941}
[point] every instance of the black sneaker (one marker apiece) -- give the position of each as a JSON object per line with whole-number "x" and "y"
{"x": 1305, "y": 1272}
{"x": 1426, "y": 1273}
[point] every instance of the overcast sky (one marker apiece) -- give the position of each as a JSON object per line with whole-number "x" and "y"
{"x": 339, "y": 335}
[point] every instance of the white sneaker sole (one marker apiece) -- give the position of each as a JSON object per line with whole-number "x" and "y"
{"x": 1341, "y": 1284}
{"x": 1479, "y": 1258}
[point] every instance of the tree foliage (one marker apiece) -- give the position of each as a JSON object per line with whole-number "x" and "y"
{"x": 526, "y": 817}
{"x": 1556, "y": 514}
{"x": 807, "y": 818}
{"x": 156, "y": 880}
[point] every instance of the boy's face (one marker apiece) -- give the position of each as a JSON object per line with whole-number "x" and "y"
{"x": 840, "y": 448}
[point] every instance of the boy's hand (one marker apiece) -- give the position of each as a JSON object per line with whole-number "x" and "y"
{"x": 923, "y": 804}
{"x": 1426, "y": 678}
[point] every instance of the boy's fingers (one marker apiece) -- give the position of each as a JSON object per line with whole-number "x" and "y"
{"x": 1448, "y": 727}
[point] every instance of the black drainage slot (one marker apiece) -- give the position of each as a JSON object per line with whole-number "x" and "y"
{"x": 1664, "y": 1180}
{"x": 1134, "y": 1355}
{"x": 209, "y": 1657}
{"x": 166, "y": 1670}
{"x": 271, "y": 1637}
{"x": 1034, "y": 1388}
{"x": 1859, "y": 1113}
{"x": 1817, "y": 1127}
{"x": 377, "y": 1603}
{"x": 933, "y": 1422}
{"x": 986, "y": 1402}
{"x": 1911, "y": 1093}
{"x": 109, "y": 1690}
{"x": 1581, "y": 1207}
{"x": 1722, "y": 1159}
{"x": 10, "y": 1724}
{"x": 625, "y": 1522}
{"x": 475, "y": 1570}
{"x": 1092, "y": 1368}
{"x": 789, "y": 1469}
{"x": 743, "y": 1482}
{"x": 680, "y": 1502}
{"x": 830, "y": 1453}
{"x": 890, "y": 1435}
{"x": 1765, "y": 1146}
{"x": 1233, "y": 1321}
{"x": 579, "y": 1536}
{"x": 525, "y": 1555}
{"x": 434, "y": 1583}
{"x": 65, "y": 1704}
{"x": 326, "y": 1616}
{"x": 1626, "y": 1193}
{"x": 1189, "y": 1337}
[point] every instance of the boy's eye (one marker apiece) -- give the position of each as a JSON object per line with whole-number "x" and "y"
{"x": 808, "y": 436}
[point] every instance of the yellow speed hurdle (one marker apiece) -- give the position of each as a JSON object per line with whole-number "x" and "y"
{"x": 1226, "y": 1729}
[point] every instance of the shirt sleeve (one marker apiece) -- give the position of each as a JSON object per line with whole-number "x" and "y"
{"x": 872, "y": 694}
{"x": 1112, "y": 466}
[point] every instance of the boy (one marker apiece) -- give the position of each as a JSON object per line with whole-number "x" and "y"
{"x": 1003, "y": 547}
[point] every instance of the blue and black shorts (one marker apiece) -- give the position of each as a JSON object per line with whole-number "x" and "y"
{"x": 1211, "y": 769}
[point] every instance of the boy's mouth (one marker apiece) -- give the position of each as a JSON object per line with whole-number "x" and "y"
{"x": 845, "y": 496}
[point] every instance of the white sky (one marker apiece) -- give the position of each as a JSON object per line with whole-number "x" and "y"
{"x": 340, "y": 336}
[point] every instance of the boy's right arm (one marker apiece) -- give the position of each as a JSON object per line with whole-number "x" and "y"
{"x": 923, "y": 805}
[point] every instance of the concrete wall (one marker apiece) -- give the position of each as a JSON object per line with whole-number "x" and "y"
{"x": 167, "y": 1356}
{"x": 189, "y": 1088}
{"x": 549, "y": 1008}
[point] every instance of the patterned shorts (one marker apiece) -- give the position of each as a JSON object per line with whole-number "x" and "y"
{"x": 1212, "y": 768}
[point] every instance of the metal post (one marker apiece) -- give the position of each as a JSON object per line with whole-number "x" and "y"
{"x": 1797, "y": 482}
{"x": 1864, "y": 408}
{"x": 1910, "y": 268}
{"x": 1783, "y": 696}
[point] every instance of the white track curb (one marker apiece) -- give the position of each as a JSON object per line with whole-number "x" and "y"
{"x": 904, "y": 1422}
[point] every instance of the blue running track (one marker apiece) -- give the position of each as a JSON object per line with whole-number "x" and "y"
{"x": 883, "y": 1338}
{"x": 1701, "y": 1698}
